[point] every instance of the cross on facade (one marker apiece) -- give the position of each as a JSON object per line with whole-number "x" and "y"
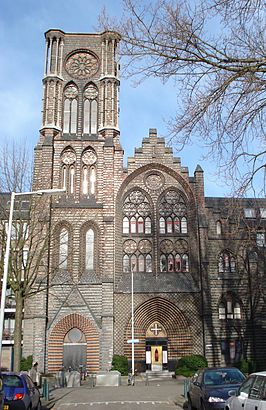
{"x": 156, "y": 329}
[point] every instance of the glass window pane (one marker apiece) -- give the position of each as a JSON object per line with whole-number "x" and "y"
{"x": 148, "y": 263}
{"x": 169, "y": 225}
{"x": 185, "y": 267}
{"x": 133, "y": 225}
{"x": 133, "y": 263}
{"x": 85, "y": 187}
{"x": 170, "y": 263}
{"x": 178, "y": 263}
{"x": 176, "y": 225}
{"x": 233, "y": 264}
{"x": 221, "y": 311}
{"x": 163, "y": 263}
{"x": 94, "y": 117}
{"x": 125, "y": 225}
{"x": 90, "y": 249}
{"x": 63, "y": 248}
{"x": 141, "y": 263}
{"x": 92, "y": 180}
{"x": 184, "y": 225}
{"x": 126, "y": 263}
{"x": 72, "y": 179}
{"x": 218, "y": 228}
{"x": 86, "y": 117}
{"x": 148, "y": 225}
{"x": 260, "y": 239}
{"x": 74, "y": 116}
{"x": 250, "y": 213}
{"x": 140, "y": 225}
{"x": 162, "y": 225}
{"x": 263, "y": 213}
{"x": 66, "y": 116}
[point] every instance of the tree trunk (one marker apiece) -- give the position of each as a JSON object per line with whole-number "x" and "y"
{"x": 18, "y": 330}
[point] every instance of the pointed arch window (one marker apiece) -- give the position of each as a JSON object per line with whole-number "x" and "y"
{"x": 218, "y": 228}
{"x": 226, "y": 262}
{"x": 172, "y": 213}
{"x": 229, "y": 308}
{"x": 68, "y": 170}
{"x": 174, "y": 256}
{"x": 89, "y": 247}
{"x": 63, "y": 248}
{"x": 137, "y": 256}
{"x": 90, "y": 110}
{"x": 70, "y": 115}
{"x": 89, "y": 159}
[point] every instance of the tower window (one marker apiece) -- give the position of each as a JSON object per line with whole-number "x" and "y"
{"x": 70, "y": 115}
{"x": 90, "y": 111}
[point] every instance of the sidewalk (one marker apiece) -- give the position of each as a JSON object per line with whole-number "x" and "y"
{"x": 171, "y": 389}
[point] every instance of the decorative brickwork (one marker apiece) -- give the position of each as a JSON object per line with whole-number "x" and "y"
{"x": 56, "y": 339}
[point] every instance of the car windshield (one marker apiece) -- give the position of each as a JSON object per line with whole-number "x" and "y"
{"x": 12, "y": 381}
{"x": 223, "y": 376}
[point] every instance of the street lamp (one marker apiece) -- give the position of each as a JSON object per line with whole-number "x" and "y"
{"x": 7, "y": 251}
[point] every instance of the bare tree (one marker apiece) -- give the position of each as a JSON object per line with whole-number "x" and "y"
{"x": 215, "y": 53}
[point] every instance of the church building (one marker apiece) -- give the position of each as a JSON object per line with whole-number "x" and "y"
{"x": 193, "y": 290}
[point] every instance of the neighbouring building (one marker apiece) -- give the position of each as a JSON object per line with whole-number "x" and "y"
{"x": 198, "y": 263}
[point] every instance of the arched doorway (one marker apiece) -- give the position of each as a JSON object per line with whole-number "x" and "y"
{"x": 158, "y": 322}
{"x": 75, "y": 346}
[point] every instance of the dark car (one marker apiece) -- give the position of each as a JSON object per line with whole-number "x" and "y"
{"x": 209, "y": 387}
{"x": 20, "y": 392}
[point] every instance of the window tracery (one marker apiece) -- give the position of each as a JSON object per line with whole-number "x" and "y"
{"x": 63, "y": 248}
{"x": 68, "y": 170}
{"x": 226, "y": 262}
{"x": 229, "y": 308}
{"x": 70, "y": 114}
{"x": 137, "y": 221}
{"x": 90, "y": 110}
{"x": 174, "y": 256}
{"x": 172, "y": 214}
{"x": 89, "y": 159}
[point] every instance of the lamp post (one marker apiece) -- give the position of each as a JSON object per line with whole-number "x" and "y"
{"x": 7, "y": 251}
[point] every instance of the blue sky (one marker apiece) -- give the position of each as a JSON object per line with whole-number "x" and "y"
{"x": 22, "y": 27}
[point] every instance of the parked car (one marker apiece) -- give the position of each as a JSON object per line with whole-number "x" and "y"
{"x": 20, "y": 392}
{"x": 209, "y": 387}
{"x": 251, "y": 395}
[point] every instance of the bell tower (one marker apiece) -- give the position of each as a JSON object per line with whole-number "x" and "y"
{"x": 81, "y": 85}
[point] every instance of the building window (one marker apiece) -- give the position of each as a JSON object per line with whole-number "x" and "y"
{"x": 68, "y": 170}
{"x": 226, "y": 263}
{"x": 263, "y": 213}
{"x": 250, "y": 212}
{"x": 260, "y": 239}
{"x": 218, "y": 228}
{"x": 137, "y": 256}
{"x": 63, "y": 248}
{"x": 172, "y": 214}
{"x": 231, "y": 350}
{"x": 89, "y": 247}
{"x": 229, "y": 308}
{"x": 89, "y": 160}
{"x": 70, "y": 115}
{"x": 174, "y": 256}
{"x": 90, "y": 110}
{"x": 137, "y": 214}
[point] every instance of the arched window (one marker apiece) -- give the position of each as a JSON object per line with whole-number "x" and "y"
{"x": 172, "y": 213}
{"x": 88, "y": 159}
{"x": 89, "y": 246}
{"x": 174, "y": 256}
{"x": 68, "y": 170}
{"x": 137, "y": 224}
{"x": 229, "y": 308}
{"x": 63, "y": 248}
{"x": 226, "y": 262}
{"x": 218, "y": 228}
{"x": 70, "y": 114}
{"x": 90, "y": 111}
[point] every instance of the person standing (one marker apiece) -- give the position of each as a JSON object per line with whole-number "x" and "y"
{"x": 33, "y": 373}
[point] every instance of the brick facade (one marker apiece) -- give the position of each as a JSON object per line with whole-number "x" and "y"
{"x": 94, "y": 295}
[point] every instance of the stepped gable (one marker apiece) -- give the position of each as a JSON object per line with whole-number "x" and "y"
{"x": 154, "y": 150}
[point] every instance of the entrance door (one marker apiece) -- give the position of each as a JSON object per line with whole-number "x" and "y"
{"x": 75, "y": 350}
{"x": 156, "y": 358}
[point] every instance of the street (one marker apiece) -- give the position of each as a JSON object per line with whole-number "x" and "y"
{"x": 157, "y": 395}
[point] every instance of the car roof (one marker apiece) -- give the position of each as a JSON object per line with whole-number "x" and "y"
{"x": 220, "y": 368}
{"x": 263, "y": 373}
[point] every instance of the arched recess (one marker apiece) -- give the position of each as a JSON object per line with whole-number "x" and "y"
{"x": 174, "y": 322}
{"x": 56, "y": 341}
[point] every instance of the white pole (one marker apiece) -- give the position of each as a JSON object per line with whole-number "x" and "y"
{"x": 7, "y": 252}
{"x": 5, "y": 273}
{"x": 132, "y": 327}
